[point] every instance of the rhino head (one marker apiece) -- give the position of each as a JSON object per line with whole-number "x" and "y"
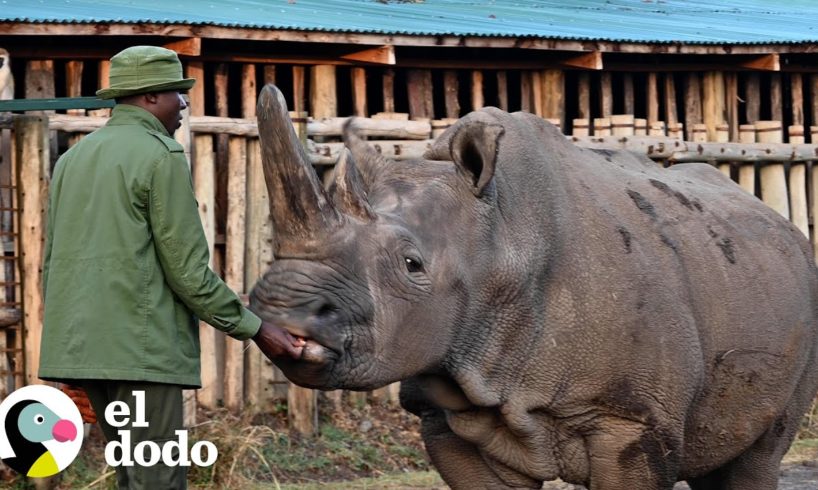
{"x": 363, "y": 270}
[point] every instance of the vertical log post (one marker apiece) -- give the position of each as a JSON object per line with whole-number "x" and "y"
{"x": 693, "y": 102}
{"x": 640, "y": 127}
{"x": 526, "y": 93}
{"x": 622, "y": 125}
{"x": 359, "y": 107}
{"x": 627, "y": 94}
{"x": 752, "y": 97}
{"x": 602, "y": 126}
{"x": 776, "y": 98}
{"x": 797, "y": 99}
{"x": 389, "y": 90}
{"x": 450, "y": 91}
{"x": 676, "y": 130}
{"x": 477, "y": 98}
{"x": 731, "y": 101}
{"x": 653, "y": 99}
{"x": 299, "y": 89}
{"x": 657, "y": 128}
{"x": 103, "y": 71}
{"x": 747, "y": 171}
{"x": 671, "y": 116}
{"x": 773, "y": 178}
{"x": 580, "y": 128}
{"x": 605, "y": 94}
{"x": 554, "y": 95}
{"x": 73, "y": 88}
{"x": 713, "y": 102}
{"x": 419, "y": 85}
{"x": 502, "y": 90}
{"x": 584, "y": 95}
{"x": 536, "y": 93}
{"x": 798, "y": 184}
{"x": 323, "y": 93}
{"x": 40, "y": 85}
{"x": 723, "y": 136}
{"x": 33, "y": 174}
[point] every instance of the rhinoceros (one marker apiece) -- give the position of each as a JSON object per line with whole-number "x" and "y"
{"x": 553, "y": 312}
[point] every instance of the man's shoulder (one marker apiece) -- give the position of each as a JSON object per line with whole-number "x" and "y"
{"x": 169, "y": 143}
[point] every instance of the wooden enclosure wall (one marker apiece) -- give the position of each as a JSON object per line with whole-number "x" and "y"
{"x": 404, "y": 109}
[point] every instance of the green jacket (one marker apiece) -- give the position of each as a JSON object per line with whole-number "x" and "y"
{"x": 126, "y": 261}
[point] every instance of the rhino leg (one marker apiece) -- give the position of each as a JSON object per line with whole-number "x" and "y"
{"x": 460, "y": 463}
{"x": 628, "y": 454}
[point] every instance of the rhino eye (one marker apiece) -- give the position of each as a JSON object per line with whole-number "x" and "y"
{"x": 413, "y": 265}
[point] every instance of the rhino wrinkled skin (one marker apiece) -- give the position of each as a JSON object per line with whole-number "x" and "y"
{"x": 553, "y": 312}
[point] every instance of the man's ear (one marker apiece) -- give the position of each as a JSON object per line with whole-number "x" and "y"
{"x": 474, "y": 151}
{"x": 151, "y": 97}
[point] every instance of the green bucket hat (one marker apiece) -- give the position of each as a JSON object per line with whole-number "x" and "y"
{"x": 143, "y": 69}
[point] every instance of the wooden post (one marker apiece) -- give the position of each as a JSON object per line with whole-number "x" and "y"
{"x": 671, "y": 116}
{"x": 693, "y": 102}
{"x": 554, "y": 95}
{"x": 234, "y": 265}
{"x": 797, "y": 99}
{"x": 640, "y": 127}
{"x": 269, "y": 74}
{"x": 653, "y": 99}
{"x": 451, "y": 88}
{"x": 699, "y": 133}
{"x": 723, "y": 136}
{"x": 776, "y": 98}
{"x": 220, "y": 86}
{"x": 73, "y": 88}
{"x": 584, "y": 94}
{"x": 580, "y": 128}
{"x": 536, "y": 93}
{"x": 622, "y": 125}
{"x": 502, "y": 90}
{"x": 299, "y": 92}
{"x": 731, "y": 101}
{"x": 33, "y": 176}
{"x": 359, "y": 107}
{"x": 389, "y": 90}
{"x": 752, "y": 97}
{"x": 103, "y": 71}
{"x": 798, "y": 184}
{"x": 713, "y": 102}
{"x": 747, "y": 171}
{"x": 773, "y": 178}
{"x": 40, "y": 85}
{"x": 605, "y": 94}
{"x": 814, "y": 186}
{"x": 813, "y": 81}
{"x": 526, "y": 95}
{"x": 675, "y": 130}
{"x": 419, "y": 85}
{"x": 477, "y": 99}
{"x": 323, "y": 94}
{"x": 627, "y": 93}
{"x": 657, "y": 128}
{"x": 602, "y": 126}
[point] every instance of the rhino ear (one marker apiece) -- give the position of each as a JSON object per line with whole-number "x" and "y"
{"x": 348, "y": 193}
{"x": 474, "y": 151}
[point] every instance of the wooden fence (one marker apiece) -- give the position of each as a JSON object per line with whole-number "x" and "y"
{"x": 235, "y": 374}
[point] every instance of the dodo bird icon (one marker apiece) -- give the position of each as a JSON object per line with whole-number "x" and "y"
{"x": 28, "y": 424}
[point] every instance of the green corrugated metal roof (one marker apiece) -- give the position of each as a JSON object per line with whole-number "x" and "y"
{"x": 649, "y": 21}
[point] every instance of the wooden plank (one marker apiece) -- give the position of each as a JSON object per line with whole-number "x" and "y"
{"x": 554, "y": 95}
{"x": 653, "y": 98}
{"x": 191, "y": 46}
{"x": 269, "y": 74}
{"x": 323, "y": 91}
{"x": 584, "y": 96}
{"x": 731, "y": 102}
{"x": 580, "y": 128}
{"x": 536, "y": 92}
{"x": 103, "y": 71}
{"x": 419, "y": 85}
{"x": 477, "y": 100}
{"x": 713, "y": 102}
{"x": 767, "y": 62}
{"x": 586, "y": 61}
{"x": 302, "y": 410}
{"x": 359, "y": 107}
{"x": 502, "y": 90}
{"x": 33, "y": 163}
{"x": 752, "y": 97}
{"x": 382, "y": 55}
{"x": 671, "y": 114}
{"x": 234, "y": 265}
{"x": 73, "y": 88}
{"x": 602, "y": 126}
{"x": 776, "y": 98}
{"x": 797, "y": 99}
{"x": 627, "y": 93}
{"x": 797, "y": 178}
{"x": 388, "y": 83}
{"x": 772, "y": 175}
{"x": 656, "y": 128}
{"x": 299, "y": 89}
{"x": 40, "y": 85}
{"x": 526, "y": 96}
{"x": 693, "y": 102}
{"x": 622, "y": 125}
{"x": 813, "y": 81}
{"x": 605, "y": 94}
{"x": 204, "y": 185}
{"x": 747, "y": 172}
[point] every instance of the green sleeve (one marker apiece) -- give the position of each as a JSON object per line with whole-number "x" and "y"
{"x": 183, "y": 251}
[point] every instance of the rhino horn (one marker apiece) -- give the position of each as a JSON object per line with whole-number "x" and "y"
{"x": 474, "y": 152}
{"x": 300, "y": 208}
{"x": 348, "y": 193}
{"x": 368, "y": 161}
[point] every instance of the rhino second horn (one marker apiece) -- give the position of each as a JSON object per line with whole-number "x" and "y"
{"x": 349, "y": 195}
{"x": 300, "y": 208}
{"x": 367, "y": 160}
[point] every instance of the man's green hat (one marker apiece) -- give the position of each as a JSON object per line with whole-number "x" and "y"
{"x": 143, "y": 69}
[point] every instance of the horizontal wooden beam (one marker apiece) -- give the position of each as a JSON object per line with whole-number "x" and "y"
{"x": 248, "y": 34}
{"x": 767, "y": 62}
{"x": 587, "y": 61}
{"x": 191, "y": 46}
{"x": 383, "y": 55}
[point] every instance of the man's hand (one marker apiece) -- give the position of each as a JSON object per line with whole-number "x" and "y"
{"x": 276, "y": 342}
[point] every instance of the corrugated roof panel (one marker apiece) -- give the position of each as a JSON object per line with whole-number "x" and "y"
{"x": 653, "y": 21}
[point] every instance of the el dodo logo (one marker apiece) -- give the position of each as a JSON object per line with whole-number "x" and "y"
{"x": 39, "y": 431}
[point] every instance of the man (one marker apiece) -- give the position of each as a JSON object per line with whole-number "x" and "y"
{"x": 126, "y": 263}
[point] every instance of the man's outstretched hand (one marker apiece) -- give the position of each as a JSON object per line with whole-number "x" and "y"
{"x": 276, "y": 342}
